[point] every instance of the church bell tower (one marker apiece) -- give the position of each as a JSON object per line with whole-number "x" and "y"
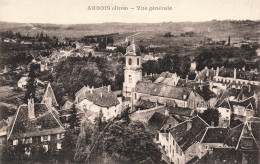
{"x": 133, "y": 72}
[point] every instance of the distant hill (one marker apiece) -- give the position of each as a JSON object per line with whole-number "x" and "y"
{"x": 213, "y": 29}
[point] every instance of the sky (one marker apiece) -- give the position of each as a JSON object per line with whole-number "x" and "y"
{"x": 77, "y": 12}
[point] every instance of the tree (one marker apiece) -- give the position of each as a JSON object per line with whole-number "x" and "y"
{"x": 100, "y": 120}
{"x": 211, "y": 115}
{"x": 183, "y": 66}
{"x": 31, "y": 84}
{"x": 7, "y": 154}
{"x": 168, "y": 35}
{"x": 68, "y": 150}
{"x": 88, "y": 134}
{"x": 130, "y": 143}
{"x": 73, "y": 119}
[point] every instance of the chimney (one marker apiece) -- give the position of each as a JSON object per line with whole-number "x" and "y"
{"x": 189, "y": 125}
{"x": 201, "y": 87}
{"x": 207, "y": 73}
{"x": 249, "y": 88}
{"x": 235, "y": 73}
{"x": 166, "y": 112}
{"x": 91, "y": 90}
{"x": 184, "y": 97}
{"x": 212, "y": 123}
{"x": 217, "y": 72}
{"x": 109, "y": 88}
{"x": 211, "y": 85}
{"x": 101, "y": 94}
{"x": 31, "y": 113}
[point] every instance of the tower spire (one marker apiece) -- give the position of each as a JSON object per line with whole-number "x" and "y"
{"x": 133, "y": 44}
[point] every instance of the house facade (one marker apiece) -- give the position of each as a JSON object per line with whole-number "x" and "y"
{"x": 96, "y": 100}
{"x": 36, "y": 123}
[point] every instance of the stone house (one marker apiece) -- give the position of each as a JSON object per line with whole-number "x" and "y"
{"x": 36, "y": 123}
{"x": 99, "y": 99}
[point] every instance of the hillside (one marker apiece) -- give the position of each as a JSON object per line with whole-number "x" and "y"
{"x": 213, "y": 29}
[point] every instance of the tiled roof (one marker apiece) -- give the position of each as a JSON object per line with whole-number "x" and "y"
{"x": 170, "y": 79}
{"x": 247, "y": 141}
{"x": 145, "y": 115}
{"x": 68, "y": 104}
{"x": 187, "y": 137}
{"x": 157, "y": 121}
{"x": 49, "y": 94}
{"x": 162, "y": 90}
{"x": 245, "y": 103}
{"x": 222, "y": 155}
{"x": 45, "y": 122}
{"x": 82, "y": 91}
{"x": 3, "y": 123}
{"x": 224, "y": 104}
{"x": 205, "y": 93}
{"x": 144, "y": 104}
{"x": 180, "y": 111}
{"x": 215, "y": 135}
{"x": 233, "y": 135}
{"x": 108, "y": 99}
{"x": 203, "y": 75}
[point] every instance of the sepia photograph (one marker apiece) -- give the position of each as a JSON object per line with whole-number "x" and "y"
{"x": 129, "y": 82}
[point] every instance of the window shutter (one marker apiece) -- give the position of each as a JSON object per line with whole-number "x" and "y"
{"x": 41, "y": 138}
{"x": 49, "y": 137}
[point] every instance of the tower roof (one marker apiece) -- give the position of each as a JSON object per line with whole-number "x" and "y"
{"x": 133, "y": 49}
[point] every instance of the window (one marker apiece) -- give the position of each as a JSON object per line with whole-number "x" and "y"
{"x": 130, "y": 61}
{"x": 58, "y": 146}
{"x": 27, "y": 151}
{"x": 172, "y": 142}
{"x": 45, "y": 138}
{"x": 227, "y": 111}
{"x": 180, "y": 152}
{"x": 206, "y": 147}
{"x": 15, "y": 142}
{"x": 58, "y": 136}
{"x": 138, "y": 62}
{"x": 130, "y": 79}
{"x": 27, "y": 140}
{"x": 45, "y": 147}
{"x": 135, "y": 96}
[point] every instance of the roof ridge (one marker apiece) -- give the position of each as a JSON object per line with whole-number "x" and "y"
{"x": 54, "y": 117}
{"x": 203, "y": 120}
{"x": 236, "y": 126}
{"x": 14, "y": 120}
{"x": 204, "y": 134}
{"x": 180, "y": 123}
{"x": 254, "y": 138}
{"x": 240, "y": 136}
